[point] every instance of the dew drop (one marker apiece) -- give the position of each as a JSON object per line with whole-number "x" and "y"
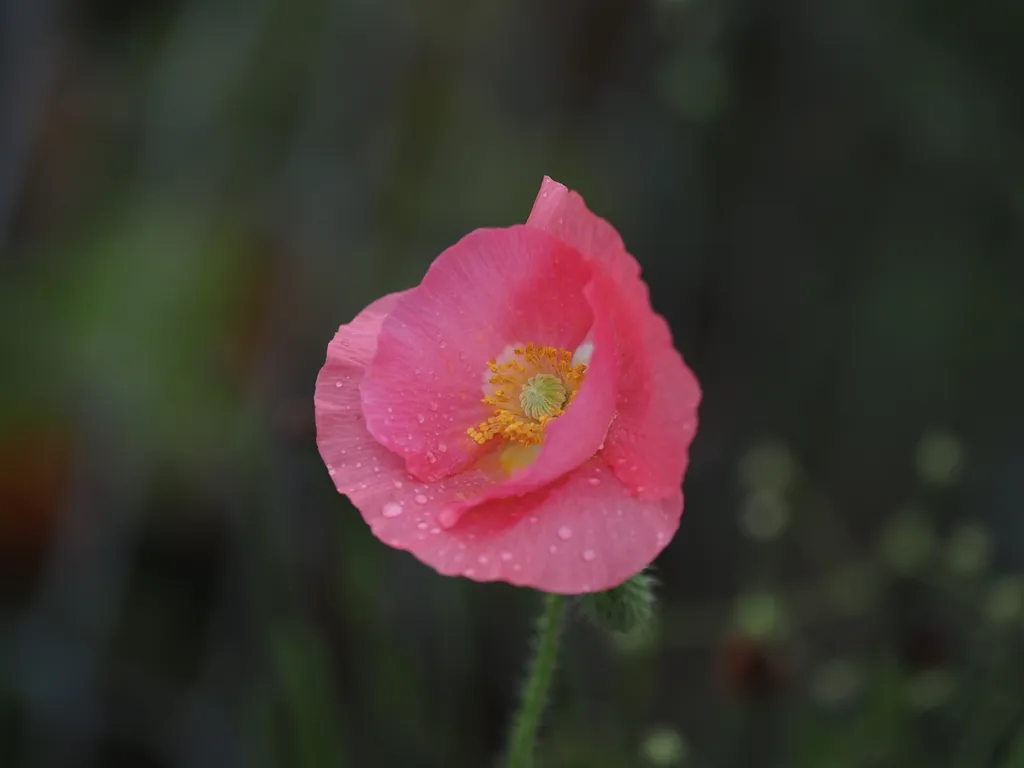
{"x": 482, "y": 559}
{"x": 339, "y": 383}
{"x": 422, "y": 526}
{"x": 391, "y": 410}
{"x": 431, "y": 457}
{"x": 359, "y": 465}
{"x": 421, "y": 499}
{"x": 434, "y": 406}
{"x": 420, "y": 418}
{"x": 442, "y": 447}
{"x": 331, "y": 472}
{"x": 564, "y": 533}
{"x": 398, "y": 483}
{"x": 594, "y": 480}
{"x": 469, "y": 572}
{"x": 517, "y": 567}
{"x": 589, "y": 554}
{"x": 506, "y": 556}
{"x": 553, "y": 549}
{"x": 391, "y": 509}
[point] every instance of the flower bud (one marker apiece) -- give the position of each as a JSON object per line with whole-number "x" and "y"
{"x": 624, "y": 608}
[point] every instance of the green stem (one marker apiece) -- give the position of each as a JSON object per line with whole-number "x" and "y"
{"x": 535, "y": 694}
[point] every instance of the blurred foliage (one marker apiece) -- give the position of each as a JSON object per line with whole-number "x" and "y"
{"x": 827, "y": 201}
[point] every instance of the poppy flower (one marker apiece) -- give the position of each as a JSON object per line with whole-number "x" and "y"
{"x": 521, "y": 415}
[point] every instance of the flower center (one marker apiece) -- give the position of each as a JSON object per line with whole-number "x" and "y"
{"x": 542, "y": 395}
{"x": 535, "y": 386}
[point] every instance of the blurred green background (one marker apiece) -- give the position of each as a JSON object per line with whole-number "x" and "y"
{"x": 827, "y": 198}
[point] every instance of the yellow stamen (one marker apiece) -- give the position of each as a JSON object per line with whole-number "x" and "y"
{"x": 535, "y": 386}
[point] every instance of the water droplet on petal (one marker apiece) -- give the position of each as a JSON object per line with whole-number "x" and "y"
{"x": 420, "y": 418}
{"x": 594, "y": 480}
{"x": 421, "y": 499}
{"x": 391, "y": 509}
{"x": 331, "y": 472}
{"x": 398, "y": 483}
{"x": 589, "y": 554}
{"x": 553, "y": 549}
{"x": 339, "y": 383}
{"x": 422, "y": 526}
{"x": 483, "y": 559}
{"x": 565, "y": 533}
{"x": 506, "y": 556}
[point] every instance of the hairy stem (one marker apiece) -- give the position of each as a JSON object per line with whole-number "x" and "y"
{"x": 535, "y": 693}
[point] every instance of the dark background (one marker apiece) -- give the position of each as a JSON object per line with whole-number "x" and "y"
{"x": 827, "y": 198}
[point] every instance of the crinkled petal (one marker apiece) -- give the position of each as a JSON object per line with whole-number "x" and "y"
{"x": 494, "y": 289}
{"x": 372, "y": 476}
{"x": 561, "y": 212}
{"x": 585, "y": 533}
{"x": 648, "y": 442}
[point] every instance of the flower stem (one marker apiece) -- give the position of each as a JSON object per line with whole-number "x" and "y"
{"x": 535, "y": 694}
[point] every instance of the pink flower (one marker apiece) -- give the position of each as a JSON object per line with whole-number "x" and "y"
{"x": 521, "y": 415}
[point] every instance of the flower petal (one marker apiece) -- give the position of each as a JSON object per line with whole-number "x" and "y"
{"x": 561, "y": 212}
{"x": 648, "y": 443}
{"x": 584, "y": 533}
{"x": 340, "y": 431}
{"x": 374, "y": 478}
{"x": 493, "y": 289}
